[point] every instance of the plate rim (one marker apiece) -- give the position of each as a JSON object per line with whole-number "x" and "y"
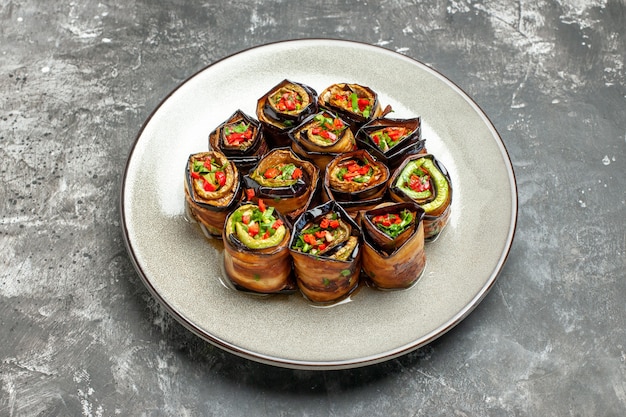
{"x": 343, "y": 363}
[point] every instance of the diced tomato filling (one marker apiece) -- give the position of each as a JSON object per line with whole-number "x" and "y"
{"x": 396, "y": 132}
{"x": 419, "y": 184}
{"x": 321, "y": 237}
{"x": 239, "y": 138}
{"x": 353, "y": 170}
{"x": 310, "y": 239}
{"x": 221, "y": 178}
{"x": 297, "y": 173}
{"x": 209, "y": 186}
{"x": 253, "y": 229}
{"x": 271, "y": 173}
{"x": 387, "y": 219}
{"x": 289, "y": 101}
{"x": 208, "y": 175}
{"x": 328, "y": 128}
{"x": 324, "y": 133}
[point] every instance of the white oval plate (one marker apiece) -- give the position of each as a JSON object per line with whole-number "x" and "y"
{"x": 182, "y": 269}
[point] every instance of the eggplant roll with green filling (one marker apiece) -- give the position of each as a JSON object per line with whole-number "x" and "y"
{"x": 284, "y": 107}
{"x": 391, "y": 140}
{"x": 212, "y": 189}
{"x": 393, "y": 249}
{"x": 355, "y": 103}
{"x": 288, "y": 182}
{"x": 241, "y": 139}
{"x": 321, "y": 137}
{"x": 356, "y": 181}
{"x": 256, "y": 249}
{"x": 326, "y": 252}
{"x": 423, "y": 179}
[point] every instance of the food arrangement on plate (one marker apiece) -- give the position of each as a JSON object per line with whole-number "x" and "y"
{"x": 319, "y": 194}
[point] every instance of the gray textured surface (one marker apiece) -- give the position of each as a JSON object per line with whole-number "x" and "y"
{"x": 80, "y": 335}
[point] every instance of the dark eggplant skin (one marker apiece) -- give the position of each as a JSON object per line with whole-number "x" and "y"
{"x": 244, "y": 157}
{"x": 381, "y": 240}
{"x": 320, "y": 154}
{"x": 434, "y": 220}
{"x": 320, "y": 278}
{"x": 352, "y": 197}
{"x": 393, "y": 263}
{"x": 211, "y": 212}
{"x": 290, "y": 200}
{"x": 355, "y": 120}
{"x": 410, "y": 145}
{"x": 263, "y": 271}
{"x": 277, "y": 124}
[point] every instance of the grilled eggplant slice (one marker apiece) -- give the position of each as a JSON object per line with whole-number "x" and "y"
{"x": 356, "y": 181}
{"x": 355, "y": 103}
{"x": 321, "y": 137}
{"x": 393, "y": 249}
{"x": 212, "y": 189}
{"x": 326, "y": 252}
{"x": 392, "y": 140}
{"x": 241, "y": 139}
{"x": 256, "y": 250}
{"x": 288, "y": 182}
{"x": 284, "y": 107}
{"x": 424, "y": 179}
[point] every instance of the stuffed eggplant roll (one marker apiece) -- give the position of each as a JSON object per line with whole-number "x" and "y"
{"x": 241, "y": 139}
{"x": 212, "y": 189}
{"x": 356, "y": 181}
{"x": 391, "y": 140}
{"x": 321, "y": 137}
{"x": 393, "y": 249}
{"x": 256, "y": 250}
{"x": 355, "y": 103}
{"x": 284, "y": 107}
{"x": 325, "y": 248}
{"x": 290, "y": 183}
{"x": 423, "y": 179}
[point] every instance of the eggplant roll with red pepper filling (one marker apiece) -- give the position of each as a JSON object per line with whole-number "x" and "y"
{"x": 393, "y": 249}
{"x": 355, "y": 103}
{"x": 321, "y": 137}
{"x": 423, "y": 179}
{"x": 284, "y": 107}
{"x": 212, "y": 189}
{"x": 356, "y": 181}
{"x": 391, "y": 140}
{"x": 326, "y": 253}
{"x": 256, "y": 249}
{"x": 241, "y": 139}
{"x": 288, "y": 182}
